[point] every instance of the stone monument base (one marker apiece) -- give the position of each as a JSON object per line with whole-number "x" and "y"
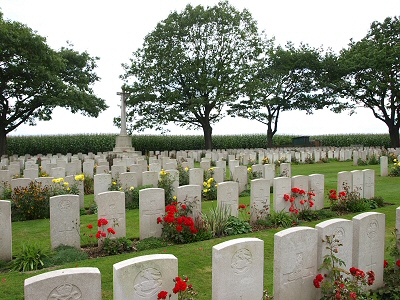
{"x": 123, "y": 144}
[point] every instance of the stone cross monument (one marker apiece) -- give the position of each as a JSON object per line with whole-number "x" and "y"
{"x": 123, "y": 141}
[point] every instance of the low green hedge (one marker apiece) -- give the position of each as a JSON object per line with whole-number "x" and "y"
{"x": 84, "y": 143}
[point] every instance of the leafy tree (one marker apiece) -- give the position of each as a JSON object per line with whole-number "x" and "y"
{"x": 283, "y": 78}
{"x": 34, "y": 79}
{"x": 369, "y": 74}
{"x": 191, "y": 66}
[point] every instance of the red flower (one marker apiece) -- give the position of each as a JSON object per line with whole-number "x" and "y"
{"x": 385, "y": 263}
{"x": 311, "y": 203}
{"x": 317, "y": 283}
{"x": 103, "y": 234}
{"x": 193, "y": 230}
{"x": 353, "y": 295}
{"x": 179, "y": 220}
{"x": 90, "y": 226}
{"x": 180, "y": 285}
{"x": 302, "y": 192}
{"x": 179, "y": 228}
{"x": 342, "y": 194}
{"x": 101, "y": 222}
{"x": 188, "y": 221}
{"x": 162, "y": 295}
{"x": 398, "y": 263}
{"x": 286, "y": 197}
{"x": 338, "y": 295}
{"x": 159, "y": 220}
{"x": 302, "y": 202}
{"x": 295, "y": 190}
{"x": 292, "y": 199}
{"x": 320, "y": 277}
{"x": 98, "y": 234}
{"x": 111, "y": 230}
{"x": 371, "y": 277}
{"x": 183, "y": 206}
{"x": 242, "y": 206}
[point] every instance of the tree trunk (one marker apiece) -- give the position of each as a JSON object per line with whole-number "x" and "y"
{"x": 3, "y": 142}
{"x": 270, "y": 135}
{"x": 207, "y": 130}
{"x": 394, "y": 136}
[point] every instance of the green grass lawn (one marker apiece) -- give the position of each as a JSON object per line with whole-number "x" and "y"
{"x": 194, "y": 259}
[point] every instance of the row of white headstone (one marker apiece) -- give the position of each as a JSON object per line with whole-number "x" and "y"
{"x": 237, "y": 265}
{"x": 64, "y": 210}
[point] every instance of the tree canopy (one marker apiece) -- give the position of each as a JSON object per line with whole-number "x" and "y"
{"x": 34, "y": 79}
{"x": 282, "y": 79}
{"x": 191, "y": 67}
{"x": 367, "y": 74}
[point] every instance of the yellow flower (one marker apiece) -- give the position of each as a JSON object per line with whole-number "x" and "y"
{"x": 210, "y": 180}
{"x": 208, "y": 185}
{"x": 131, "y": 188}
{"x": 187, "y": 169}
{"x": 54, "y": 180}
{"x": 120, "y": 188}
{"x": 216, "y": 185}
{"x": 205, "y": 191}
{"x": 204, "y": 183}
{"x": 174, "y": 197}
{"x": 80, "y": 177}
{"x": 66, "y": 183}
{"x": 249, "y": 169}
{"x": 211, "y": 169}
{"x": 114, "y": 183}
{"x": 394, "y": 160}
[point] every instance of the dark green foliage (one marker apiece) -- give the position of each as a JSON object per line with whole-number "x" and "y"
{"x": 237, "y": 226}
{"x": 278, "y": 219}
{"x": 132, "y": 197}
{"x": 150, "y": 243}
{"x": 29, "y": 259}
{"x": 117, "y": 246}
{"x": 63, "y": 255}
{"x": 85, "y": 143}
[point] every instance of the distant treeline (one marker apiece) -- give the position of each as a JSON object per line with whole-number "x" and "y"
{"x": 85, "y": 143}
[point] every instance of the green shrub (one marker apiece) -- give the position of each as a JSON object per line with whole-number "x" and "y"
{"x": 150, "y": 243}
{"x": 29, "y": 259}
{"x": 64, "y": 254}
{"x": 117, "y": 246}
{"x": 183, "y": 175}
{"x": 278, "y": 219}
{"x": 166, "y": 182}
{"x": 237, "y": 226}
{"x": 217, "y": 220}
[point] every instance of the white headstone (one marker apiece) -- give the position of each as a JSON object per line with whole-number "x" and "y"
{"x": 144, "y": 277}
{"x": 369, "y": 183}
{"x": 260, "y": 199}
{"x": 269, "y": 172}
{"x": 238, "y": 269}
{"x": 345, "y": 178}
{"x": 135, "y": 168}
{"x": 316, "y": 184}
{"x": 150, "y": 178}
{"x": 295, "y": 263}
{"x": 196, "y": 176}
{"x": 286, "y": 169}
{"x": 111, "y": 206}
{"x": 102, "y": 182}
{"x": 58, "y": 172}
{"x": 358, "y": 182}
{"x": 282, "y": 186}
{"x": 74, "y": 283}
{"x": 241, "y": 176}
{"x": 191, "y": 195}
{"x": 128, "y": 180}
{"x": 384, "y": 166}
{"x": 31, "y": 173}
{"x": 228, "y": 196}
{"x": 64, "y": 221}
{"x": 6, "y": 230}
{"x": 369, "y": 244}
{"x": 151, "y": 206}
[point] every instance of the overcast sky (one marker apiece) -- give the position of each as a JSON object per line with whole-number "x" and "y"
{"x": 112, "y": 30}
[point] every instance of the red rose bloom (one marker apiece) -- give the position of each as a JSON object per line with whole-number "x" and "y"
{"x": 179, "y": 228}
{"x": 183, "y": 206}
{"x": 398, "y": 263}
{"x": 159, "y": 220}
{"x": 162, "y": 295}
{"x": 353, "y": 295}
{"x": 385, "y": 263}
{"x": 90, "y": 226}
